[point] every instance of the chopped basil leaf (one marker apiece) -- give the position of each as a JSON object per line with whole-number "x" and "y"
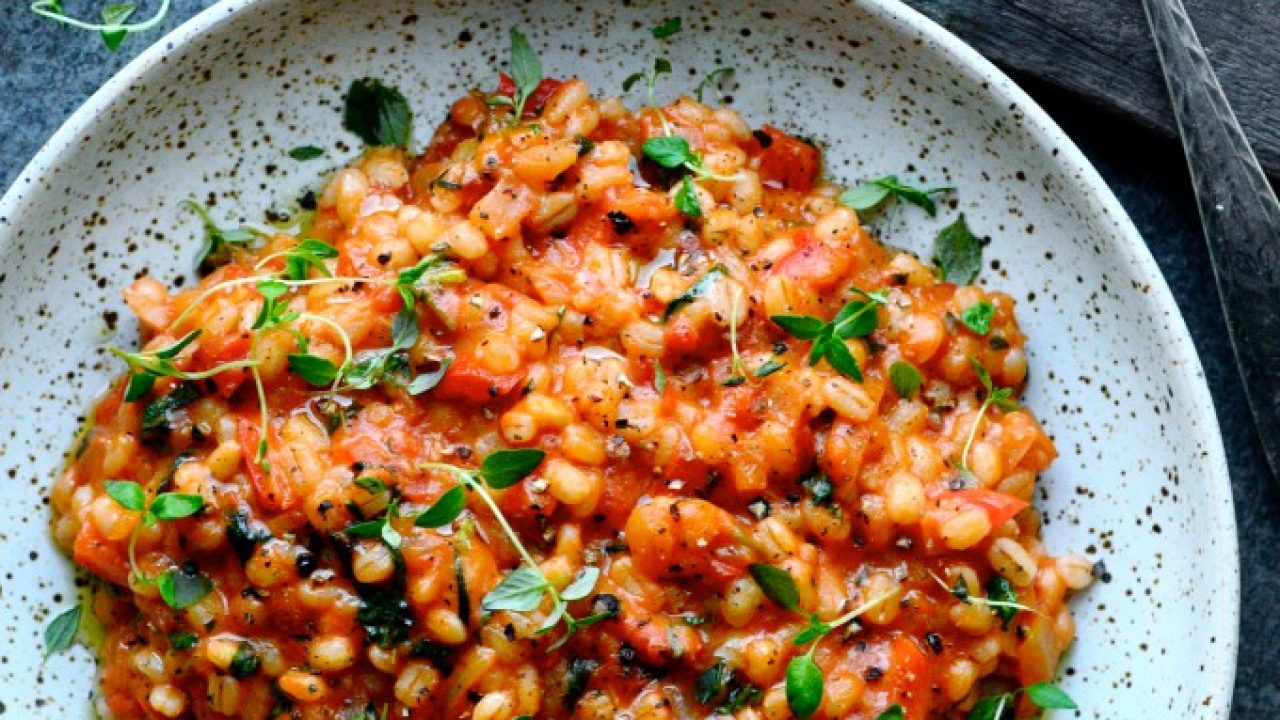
{"x": 183, "y": 640}
{"x": 244, "y": 533}
{"x": 820, "y": 488}
{"x": 893, "y": 712}
{"x": 769, "y": 367}
{"x": 580, "y": 672}
{"x": 245, "y": 662}
{"x": 180, "y": 588}
{"x": 710, "y": 683}
{"x": 1001, "y": 590}
{"x": 695, "y": 291}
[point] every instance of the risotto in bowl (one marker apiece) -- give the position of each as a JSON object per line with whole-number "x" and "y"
{"x": 581, "y": 402}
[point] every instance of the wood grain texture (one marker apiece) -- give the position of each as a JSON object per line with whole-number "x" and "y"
{"x": 1101, "y": 50}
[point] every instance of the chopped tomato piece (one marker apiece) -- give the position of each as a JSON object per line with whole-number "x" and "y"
{"x": 274, "y": 489}
{"x": 468, "y": 381}
{"x": 815, "y": 263}
{"x": 907, "y": 678}
{"x": 787, "y": 161}
{"x": 999, "y": 506}
{"x": 107, "y": 560}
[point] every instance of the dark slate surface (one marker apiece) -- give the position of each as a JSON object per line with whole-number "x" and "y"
{"x": 58, "y": 69}
{"x": 1102, "y": 49}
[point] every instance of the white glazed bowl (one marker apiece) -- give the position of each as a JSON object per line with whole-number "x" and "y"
{"x": 211, "y": 110}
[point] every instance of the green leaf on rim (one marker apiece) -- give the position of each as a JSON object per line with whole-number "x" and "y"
{"x": 377, "y": 113}
{"x": 958, "y": 253}
{"x": 61, "y": 632}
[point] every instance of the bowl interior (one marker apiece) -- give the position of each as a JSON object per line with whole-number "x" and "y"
{"x": 211, "y": 112}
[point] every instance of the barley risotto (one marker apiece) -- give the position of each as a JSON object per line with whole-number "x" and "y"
{"x": 584, "y": 411}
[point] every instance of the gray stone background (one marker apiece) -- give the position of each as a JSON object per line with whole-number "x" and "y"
{"x": 47, "y": 71}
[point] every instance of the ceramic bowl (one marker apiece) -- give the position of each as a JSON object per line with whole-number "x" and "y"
{"x": 210, "y": 111}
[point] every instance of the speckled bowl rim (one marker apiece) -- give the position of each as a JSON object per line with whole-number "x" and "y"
{"x": 1222, "y": 662}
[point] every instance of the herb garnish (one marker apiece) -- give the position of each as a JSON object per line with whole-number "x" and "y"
{"x": 713, "y": 79}
{"x": 1000, "y": 397}
{"x": 978, "y": 316}
{"x": 958, "y": 253}
{"x": 905, "y": 378}
{"x": 179, "y": 587}
{"x": 696, "y": 290}
{"x": 667, "y": 28}
{"x": 804, "y": 677}
{"x": 1001, "y": 599}
{"x": 115, "y": 19}
{"x": 306, "y": 152}
{"x": 871, "y": 194}
{"x": 1000, "y": 707}
{"x": 524, "y": 588}
{"x": 216, "y": 250}
{"x": 856, "y": 319}
{"x": 650, "y": 77}
{"x": 377, "y": 113}
{"x": 526, "y": 71}
{"x": 61, "y": 632}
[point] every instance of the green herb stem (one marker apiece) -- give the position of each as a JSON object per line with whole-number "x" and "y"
{"x": 51, "y": 9}
{"x": 348, "y": 353}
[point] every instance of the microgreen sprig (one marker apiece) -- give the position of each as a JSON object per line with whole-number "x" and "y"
{"x": 856, "y": 319}
{"x": 178, "y": 587}
{"x": 115, "y": 23}
{"x": 145, "y": 367}
{"x": 524, "y": 588}
{"x": 871, "y": 194}
{"x": 216, "y": 249}
{"x": 736, "y": 367}
{"x": 1043, "y": 695}
{"x": 1001, "y": 597}
{"x": 661, "y": 66}
{"x": 1000, "y": 397}
{"x": 804, "y": 681}
{"x": 712, "y": 79}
